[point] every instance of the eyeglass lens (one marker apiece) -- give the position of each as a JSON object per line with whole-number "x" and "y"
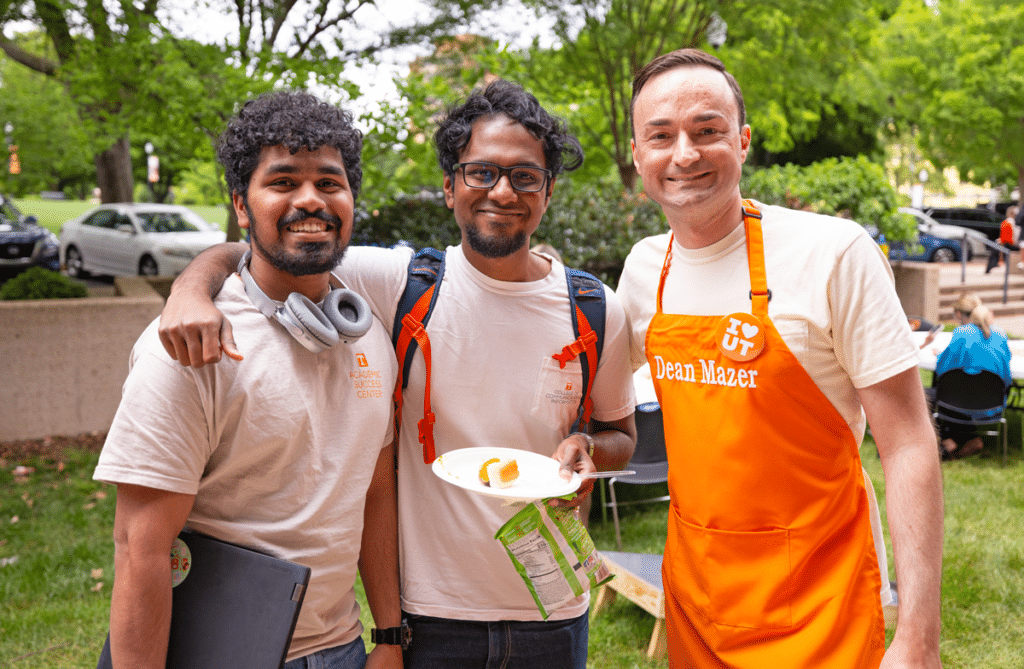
{"x": 486, "y": 175}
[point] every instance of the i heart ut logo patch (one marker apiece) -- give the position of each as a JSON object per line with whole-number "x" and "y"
{"x": 740, "y": 337}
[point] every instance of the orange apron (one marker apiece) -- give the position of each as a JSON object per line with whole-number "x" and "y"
{"x": 769, "y": 560}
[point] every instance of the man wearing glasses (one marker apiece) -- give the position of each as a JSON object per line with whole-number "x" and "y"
{"x": 502, "y": 312}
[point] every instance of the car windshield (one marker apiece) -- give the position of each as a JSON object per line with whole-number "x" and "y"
{"x": 9, "y": 211}
{"x": 169, "y": 221}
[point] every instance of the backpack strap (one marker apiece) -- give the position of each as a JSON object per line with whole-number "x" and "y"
{"x": 587, "y": 306}
{"x": 409, "y": 331}
{"x": 426, "y": 269}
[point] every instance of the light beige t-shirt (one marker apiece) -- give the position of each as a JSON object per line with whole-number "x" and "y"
{"x": 494, "y": 383}
{"x": 278, "y": 448}
{"x": 833, "y": 302}
{"x": 833, "y": 299}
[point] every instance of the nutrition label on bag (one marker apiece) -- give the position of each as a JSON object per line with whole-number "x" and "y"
{"x": 553, "y": 553}
{"x": 535, "y": 554}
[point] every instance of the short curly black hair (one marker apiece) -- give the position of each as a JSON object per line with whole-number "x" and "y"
{"x": 562, "y": 151}
{"x": 295, "y": 120}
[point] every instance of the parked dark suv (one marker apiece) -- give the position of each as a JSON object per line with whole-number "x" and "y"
{"x": 982, "y": 220}
{"x": 23, "y": 243}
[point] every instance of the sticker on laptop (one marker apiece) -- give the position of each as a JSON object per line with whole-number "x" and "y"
{"x": 181, "y": 562}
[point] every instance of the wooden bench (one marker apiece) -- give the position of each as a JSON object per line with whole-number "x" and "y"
{"x": 638, "y": 579}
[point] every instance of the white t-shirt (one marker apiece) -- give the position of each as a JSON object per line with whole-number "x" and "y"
{"x": 833, "y": 302}
{"x": 278, "y": 448}
{"x": 494, "y": 383}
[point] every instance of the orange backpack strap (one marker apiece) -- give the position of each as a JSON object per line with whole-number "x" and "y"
{"x": 587, "y": 305}
{"x": 409, "y": 332}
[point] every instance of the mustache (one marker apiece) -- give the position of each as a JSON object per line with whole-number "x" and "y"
{"x": 300, "y": 216}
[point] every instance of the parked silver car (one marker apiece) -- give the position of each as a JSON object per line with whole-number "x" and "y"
{"x": 126, "y": 239}
{"x": 928, "y": 225}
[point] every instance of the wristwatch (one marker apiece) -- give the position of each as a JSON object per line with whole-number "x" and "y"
{"x": 590, "y": 443}
{"x": 393, "y": 636}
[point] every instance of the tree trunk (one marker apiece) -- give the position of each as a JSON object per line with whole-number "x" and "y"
{"x": 234, "y": 232}
{"x": 114, "y": 172}
{"x": 627, "y": 174}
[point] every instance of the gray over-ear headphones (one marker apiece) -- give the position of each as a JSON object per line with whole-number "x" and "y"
{"x": 344, "y": 317}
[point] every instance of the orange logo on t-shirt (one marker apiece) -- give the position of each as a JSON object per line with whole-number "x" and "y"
{"x": 740, "y": 336}
{"x": 361, "y": 360}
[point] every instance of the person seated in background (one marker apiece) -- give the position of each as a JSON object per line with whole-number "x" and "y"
{"x": 976, "y": 346}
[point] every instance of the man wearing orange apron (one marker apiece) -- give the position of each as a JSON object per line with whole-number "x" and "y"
{"x": 764, "y": 385}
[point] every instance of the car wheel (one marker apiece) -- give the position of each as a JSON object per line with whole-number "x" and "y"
{"x": 73, "y": 262}
{"x": 147, "y": 267}
{"x": 944, "y": 254}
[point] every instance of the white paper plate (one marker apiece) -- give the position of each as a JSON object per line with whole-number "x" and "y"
{"x": 538, "y": 474}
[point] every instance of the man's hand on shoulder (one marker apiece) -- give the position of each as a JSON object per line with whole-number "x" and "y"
{"x": 194, "y": 332}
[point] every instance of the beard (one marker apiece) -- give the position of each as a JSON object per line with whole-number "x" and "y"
{"x": 311, "y": 257}
{"x": 494, "y": 247}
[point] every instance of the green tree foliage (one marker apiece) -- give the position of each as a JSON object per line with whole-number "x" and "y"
{"x": 602, "y": 46}
{"x": 37, "y": 283}
{"x": 593, "y": 225}
{"x": 955, "y": 74}
{"x": 399, "y": 161}
{"x": 854, "y": 188}
{"x": 52, "y": 142}
{"x": 133, "y": 78}
{"x": 802, "y": 64}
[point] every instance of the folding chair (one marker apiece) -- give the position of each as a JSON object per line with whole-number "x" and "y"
{"x": 649, "y": 460}
{"x": 972, "y": 399}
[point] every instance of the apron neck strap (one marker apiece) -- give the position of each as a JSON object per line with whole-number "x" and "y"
{"x": 759, "y": 293}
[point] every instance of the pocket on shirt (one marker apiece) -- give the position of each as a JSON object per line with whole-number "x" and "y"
{"x": 557, "y": 399}
{"x": 794, "y": 333}
{"x": 735, "y": 579}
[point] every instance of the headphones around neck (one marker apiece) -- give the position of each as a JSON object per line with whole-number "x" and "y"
{"x": 345, "y": 316}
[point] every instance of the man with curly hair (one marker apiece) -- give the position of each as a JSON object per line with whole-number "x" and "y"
{"x": 502, "y": 312}
{"x": 281, "y": 449}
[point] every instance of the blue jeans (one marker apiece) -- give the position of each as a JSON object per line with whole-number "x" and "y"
{"x": 442, "y": 643}
{"x": 350, "y": 656}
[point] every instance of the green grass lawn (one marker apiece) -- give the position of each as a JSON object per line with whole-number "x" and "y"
{"x": 53, "y": 213}
{"x": 56, "y": 554}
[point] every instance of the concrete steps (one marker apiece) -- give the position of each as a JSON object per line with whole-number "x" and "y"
{"x": 989, "y": 287}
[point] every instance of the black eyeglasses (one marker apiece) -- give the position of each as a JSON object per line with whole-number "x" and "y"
{"x": 523, "y": 178}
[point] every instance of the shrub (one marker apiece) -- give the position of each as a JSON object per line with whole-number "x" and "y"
{"x": 592, "y": 225}
{"x": 421, "y": 220}
{"x": 37, "y": 283}
{"x": 854, "y": 188}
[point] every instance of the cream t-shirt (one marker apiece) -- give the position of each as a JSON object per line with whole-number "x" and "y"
{"x": 278, "y": 448}
{"x": 833, "y": 302}
{"x": 494, "y": 383}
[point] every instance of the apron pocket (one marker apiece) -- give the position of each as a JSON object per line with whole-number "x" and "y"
{"x": 736, "y": 579}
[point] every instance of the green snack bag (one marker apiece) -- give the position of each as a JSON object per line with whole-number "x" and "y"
{"x": 553, "y": 553}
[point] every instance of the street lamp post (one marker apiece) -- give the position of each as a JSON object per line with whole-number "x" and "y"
{"x": 152, "y": 170}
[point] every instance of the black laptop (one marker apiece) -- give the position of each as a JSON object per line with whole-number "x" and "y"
{"x": 235, "y": 608}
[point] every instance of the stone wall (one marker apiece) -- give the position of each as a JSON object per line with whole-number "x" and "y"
{"x": 64, "y": 361}
{"x": 917, "y": 284}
